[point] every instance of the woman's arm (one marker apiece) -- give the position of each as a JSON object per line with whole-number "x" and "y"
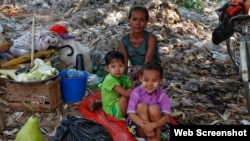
{"x": 152, "y": 46}
{"x": 125, "y": 53}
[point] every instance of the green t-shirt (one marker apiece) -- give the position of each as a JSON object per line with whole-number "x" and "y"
{"x": 110, "y": 96}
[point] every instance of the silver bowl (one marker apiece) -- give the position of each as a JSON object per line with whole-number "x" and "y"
{"x": 19, "y": 50}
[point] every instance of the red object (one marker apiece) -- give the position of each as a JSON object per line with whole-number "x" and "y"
{"x": 116, "y": 127}
{"x": 172, "y": 121}
{"x": 60, "y": 29}
{"x": 236, "y": 6}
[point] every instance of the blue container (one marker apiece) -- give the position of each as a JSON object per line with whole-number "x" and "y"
{"x": 73, "y": 89}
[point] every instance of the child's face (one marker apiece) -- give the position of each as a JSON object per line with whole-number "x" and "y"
{"x": 150, "y": 80}
{"x": 138, "y": 21}
{"x": 116, "y": 68}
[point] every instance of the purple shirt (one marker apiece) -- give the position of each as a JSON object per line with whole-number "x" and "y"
{"x": 159, "y": 97}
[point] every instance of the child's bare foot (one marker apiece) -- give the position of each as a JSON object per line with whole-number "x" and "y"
{"x": 150, "y": 134}
{"x": 151, "y": 139}
{"x": 94, "y": 105}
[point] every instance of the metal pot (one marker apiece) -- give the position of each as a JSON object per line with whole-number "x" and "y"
{"x": 19, "y": 50}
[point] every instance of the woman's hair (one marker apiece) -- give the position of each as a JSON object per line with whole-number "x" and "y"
{"x": 140, "y": 8}
{"x": 153, "y": 66}
{"x": 114, "y": 55}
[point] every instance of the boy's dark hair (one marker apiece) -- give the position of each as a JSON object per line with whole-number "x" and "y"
{"x": 114, "y": 54}
{"x": 140, "y": 8}
{"x": 153, "y": 66}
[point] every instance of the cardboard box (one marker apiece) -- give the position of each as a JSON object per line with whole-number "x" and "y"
{"x": 42, "y": 97}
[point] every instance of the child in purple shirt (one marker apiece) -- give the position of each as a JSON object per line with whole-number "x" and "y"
{"x": 149, "y": 106}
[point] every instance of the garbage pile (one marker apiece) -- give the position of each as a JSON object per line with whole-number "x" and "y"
{"x": 199, "y": 76}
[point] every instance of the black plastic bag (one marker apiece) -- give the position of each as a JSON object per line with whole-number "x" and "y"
{"x": 230, "y": 9}
{"x": 74, "y": 128}
{"x": 223, "y": 30}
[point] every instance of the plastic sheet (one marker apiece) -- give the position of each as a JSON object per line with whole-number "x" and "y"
{"x": 117, "y": 128}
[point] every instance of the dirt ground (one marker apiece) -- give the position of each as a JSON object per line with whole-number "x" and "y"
{"x": 201, "y": 81}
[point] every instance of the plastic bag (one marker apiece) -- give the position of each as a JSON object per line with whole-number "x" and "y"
{"x": 224, "y": 30}
{"x": 74, "y": 128}
{"x": 117, "y": 128}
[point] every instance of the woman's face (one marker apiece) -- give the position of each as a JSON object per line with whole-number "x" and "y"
{"x": 138, "y": 21}
{"x": 150, "y": 80}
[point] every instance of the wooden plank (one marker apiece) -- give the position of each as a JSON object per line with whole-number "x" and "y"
{"x": 36, "y": 107}
{"x": 34, "y": 94}
{"x": 13, "y": 98}
{"x": 3, "y": 81}
{"x": 25, "y": 90}
{"x": 55, "y": 82}
{"x": 56, "y": 105}
{"x": 55, "y": 90}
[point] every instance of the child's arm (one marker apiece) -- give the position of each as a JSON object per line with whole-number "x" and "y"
{"x": 137, "y": 120}
{"x": 162, "y": 121}
{"x": 122, "y": 91}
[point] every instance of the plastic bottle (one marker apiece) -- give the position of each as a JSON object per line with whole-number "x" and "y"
{"x": 71, "y": 73}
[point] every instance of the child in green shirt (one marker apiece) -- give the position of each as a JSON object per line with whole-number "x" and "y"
{"x": 116, "y": 86}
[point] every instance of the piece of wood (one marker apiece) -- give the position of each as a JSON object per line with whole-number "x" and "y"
{"x": 32, "y": 42}
{"x": 27, "y": 57}
{"x": 44, "y": 97}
